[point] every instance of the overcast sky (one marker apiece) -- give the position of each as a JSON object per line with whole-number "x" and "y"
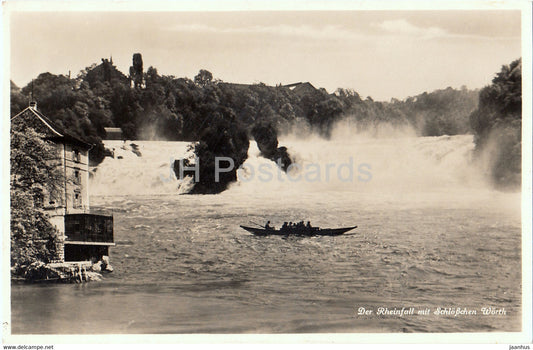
{"x": 382, "y": 54}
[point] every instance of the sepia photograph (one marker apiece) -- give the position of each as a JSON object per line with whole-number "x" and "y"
{"x": 320, "y": 170}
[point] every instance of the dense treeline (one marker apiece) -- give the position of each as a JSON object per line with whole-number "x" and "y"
{"x": 497, "y": 125}
{"x": 165, "y": 107}
{"x": 441, "y": 112}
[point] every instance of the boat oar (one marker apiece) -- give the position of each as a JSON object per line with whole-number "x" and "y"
{"x": 262, "y": 226}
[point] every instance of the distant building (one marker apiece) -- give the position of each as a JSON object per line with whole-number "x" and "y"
{"x": 301, "y": 89}
{"x": 113, "y": 133}
{"x": 83, "y": 235}
{"x": 105, "y": 72}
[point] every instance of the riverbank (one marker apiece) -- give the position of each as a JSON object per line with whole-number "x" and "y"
{"x": 61, "y": 272}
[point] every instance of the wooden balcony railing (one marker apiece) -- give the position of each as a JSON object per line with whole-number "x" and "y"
{"x": 89, "y": 228}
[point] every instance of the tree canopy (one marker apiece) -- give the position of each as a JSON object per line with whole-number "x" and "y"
{"x": 34, "y": 177}
{"x": 497, "y": 125}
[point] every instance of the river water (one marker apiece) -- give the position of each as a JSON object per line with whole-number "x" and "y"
{"x": 431, "y": 234}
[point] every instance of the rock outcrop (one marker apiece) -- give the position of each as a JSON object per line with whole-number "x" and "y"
{"x": 222, "y": 149}
{"x": 61, "y": 272}
{"x": 266, "y": 137}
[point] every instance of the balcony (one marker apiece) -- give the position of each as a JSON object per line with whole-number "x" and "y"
{"x": 89, "y": 229}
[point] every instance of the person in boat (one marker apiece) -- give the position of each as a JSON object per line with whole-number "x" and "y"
{"x": 284, "y": 226}
{"x": 267, "y": 226}
{"x": 309, "y": 224}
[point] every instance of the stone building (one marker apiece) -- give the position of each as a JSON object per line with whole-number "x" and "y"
{"x": 84, "y": 234}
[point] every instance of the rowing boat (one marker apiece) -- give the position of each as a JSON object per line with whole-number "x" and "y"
{"x": 298, "y": 231}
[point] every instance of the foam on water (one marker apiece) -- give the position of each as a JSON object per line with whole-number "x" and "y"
{"x": 146, "y": 173}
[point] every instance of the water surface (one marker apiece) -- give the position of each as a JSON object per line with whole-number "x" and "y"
{"x": 430, "y": 236}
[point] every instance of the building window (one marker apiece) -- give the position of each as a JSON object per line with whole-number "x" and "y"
{"x": 77, "y": 199}
{"x": 76, "y": 155}
{"x": 77, "y": 176}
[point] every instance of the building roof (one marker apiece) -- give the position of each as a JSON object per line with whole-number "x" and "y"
{"x": 293, "y": 84}
{"x": 301, "y": 88}
{"x": 300, "y": 84}
{"x": 52, "y": 131}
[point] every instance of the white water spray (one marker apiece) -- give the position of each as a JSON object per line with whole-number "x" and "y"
{"x": 347, "y": 163}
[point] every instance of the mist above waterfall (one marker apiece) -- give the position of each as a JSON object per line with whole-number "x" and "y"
{"x": 394, "y": 162}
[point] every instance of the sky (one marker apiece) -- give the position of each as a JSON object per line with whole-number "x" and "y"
{"x": 382, "y": 54}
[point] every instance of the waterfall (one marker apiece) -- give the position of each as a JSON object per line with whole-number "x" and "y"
{"x": 350, "y": 163}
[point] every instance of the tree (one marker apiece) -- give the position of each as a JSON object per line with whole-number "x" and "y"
{"x": 34, "y": 176}
{"x": 497, "y": 125}
{"x": 136, "y": 70}
{"x": 203, "y": 78}
{"x": 221, "y": 137}
{"x": 18, "y": 100}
